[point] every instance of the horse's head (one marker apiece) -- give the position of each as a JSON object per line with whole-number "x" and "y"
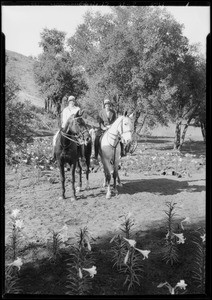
{"x": 125, "y": 128}
{"x": 76, "y": 125}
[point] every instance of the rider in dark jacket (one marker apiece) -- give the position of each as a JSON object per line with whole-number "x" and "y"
{"x": 106, "y": 117}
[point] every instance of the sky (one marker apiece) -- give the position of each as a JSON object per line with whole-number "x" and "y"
{"x": 22, "y": 25}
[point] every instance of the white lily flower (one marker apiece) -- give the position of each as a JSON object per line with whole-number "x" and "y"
{"x": 126, "y": 257}
{"x": 203, "y": 237}
{"x": 162, "y": 284}
{"x": 17, "y": 263}
{"x": 131, "y": 242}
{"x": 186, "y": 220}
{"x": 80, "y": 273}
{"x": 180, "y": 237}
{"x": 15, "y": 212}
{"x": 19, "y": 223}
{"x": 92, "y": 271}
{"x": 171, "y": 289}
{"x": 181, "y": 284}
{"x": 145, "y": 253}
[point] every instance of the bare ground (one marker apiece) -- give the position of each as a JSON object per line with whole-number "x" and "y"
{"x": 142, "y": 194}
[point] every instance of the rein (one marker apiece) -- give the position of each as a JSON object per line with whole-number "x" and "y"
{"x": 67, "y": 136}
{"x": 119, "y": 134}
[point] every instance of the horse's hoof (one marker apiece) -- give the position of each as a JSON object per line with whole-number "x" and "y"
{"x": 73, "y": 199}
{"x": 108, "y": 196}
{"x": 78, "y": 189}
{"x": 120, "y": 184}
{"x": 62, "y": 197}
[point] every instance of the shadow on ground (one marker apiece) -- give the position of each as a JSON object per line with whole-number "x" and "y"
{"x": 162, "y": 186}
{"x": 155, "y": 140}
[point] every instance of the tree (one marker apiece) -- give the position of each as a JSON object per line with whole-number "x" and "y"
{"x": 189, "y": 77}
{"x": 52, "y": 40}
{"x": 17, "y": 119}
{"x": 139, "y": 58}
{"x": 55, "y": 71}
{"x": 131, "y": 50}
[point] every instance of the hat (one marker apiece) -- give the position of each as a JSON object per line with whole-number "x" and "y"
{"x": 106, "y": 101}
{"x": 71, "y": 98}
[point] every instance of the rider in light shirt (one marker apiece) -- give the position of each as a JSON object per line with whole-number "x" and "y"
{"x": 70, "y": 110}
{"x": 67, "y": 112}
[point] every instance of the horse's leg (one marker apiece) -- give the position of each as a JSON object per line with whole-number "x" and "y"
{"x": 79, "y": 186}
{"x": 73, "y": 168}
{"x": 108, "y": 177}
{"x": 119, "y": 181}
{"x": 88, "y": 151}
{"x": 104, "y": 182}
{"x": 87, "y": 173}
{"x": 62, "y": 177}
{"x": 115, "y": 176}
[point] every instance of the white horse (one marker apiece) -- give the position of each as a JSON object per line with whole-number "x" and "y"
{"x": 110, "y": 149}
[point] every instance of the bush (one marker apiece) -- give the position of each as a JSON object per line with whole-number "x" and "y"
{"x": 17, "y": 119}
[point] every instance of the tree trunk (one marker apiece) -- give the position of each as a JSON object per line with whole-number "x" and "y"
{"x": 142, "y": 124}
{"x": 203, "y": 129}
{"x": 184, "y": 133}
{"x": 137, "y": 115}
{"x": 177, "y": 134}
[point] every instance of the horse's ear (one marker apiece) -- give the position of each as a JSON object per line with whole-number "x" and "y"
{"x": 131, "y": 115}
{"x": 125, "y": 113}
{"x": 79, "y": 113}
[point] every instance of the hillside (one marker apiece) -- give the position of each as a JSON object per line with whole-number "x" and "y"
{"x": 21, "y": 68}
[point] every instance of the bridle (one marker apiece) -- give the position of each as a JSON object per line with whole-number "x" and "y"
{"x": 114, "y": 136}
{"x": 79, "y": 137}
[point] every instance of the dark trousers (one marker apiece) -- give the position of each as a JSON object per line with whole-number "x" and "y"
{"x": 96, "y": 142}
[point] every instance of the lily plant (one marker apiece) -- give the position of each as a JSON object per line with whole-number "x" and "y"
{"x": 181, "y": 285}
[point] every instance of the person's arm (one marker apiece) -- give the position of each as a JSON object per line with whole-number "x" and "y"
{"x": 114, "y": 116}
{"x": 63, "y": 117}
{"x": 100, "y": 120}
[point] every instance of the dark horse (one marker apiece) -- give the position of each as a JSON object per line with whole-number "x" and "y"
{"x": 70, "y": 144}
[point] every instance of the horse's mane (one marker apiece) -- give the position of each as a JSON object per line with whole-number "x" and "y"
{"x": 116, "y": 122}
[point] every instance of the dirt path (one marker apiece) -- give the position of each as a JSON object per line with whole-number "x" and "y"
{"x": 143, "y": 196}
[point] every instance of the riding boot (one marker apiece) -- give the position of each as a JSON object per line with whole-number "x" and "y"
{"x": 96, "y": 148}
{"x": 122, "y": 149}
